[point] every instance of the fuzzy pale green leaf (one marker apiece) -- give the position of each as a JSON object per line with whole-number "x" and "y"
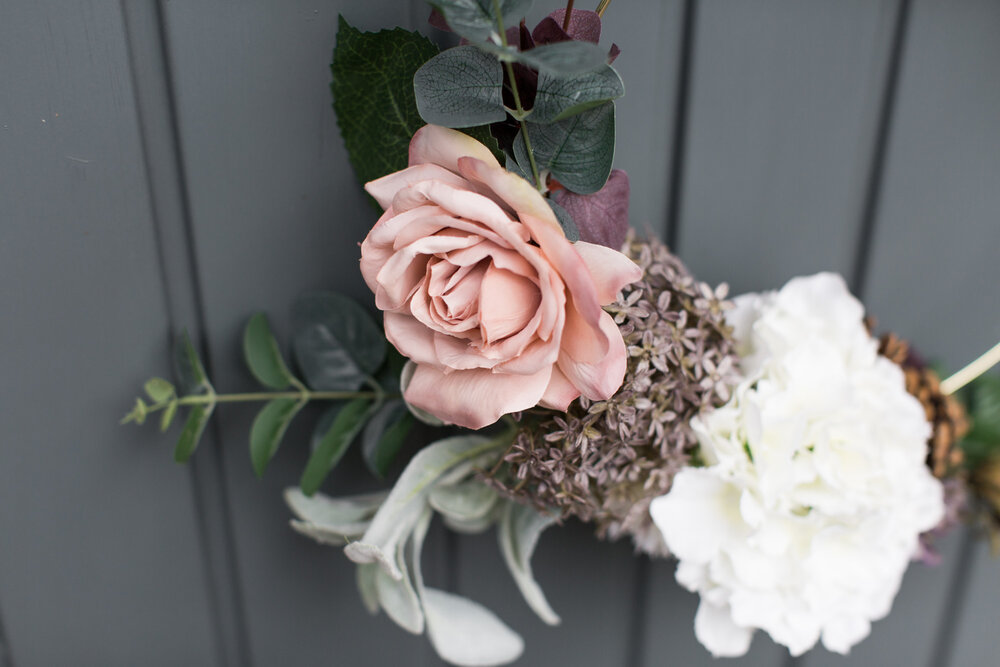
{"x": 518, "y": 531}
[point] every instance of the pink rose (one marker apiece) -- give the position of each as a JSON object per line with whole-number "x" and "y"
{"x": 482, "y": 290}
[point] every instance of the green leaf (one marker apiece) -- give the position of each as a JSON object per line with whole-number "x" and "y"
{"x": 559, "y": 98}
{"x": 373, "y": 95}
{"x": 268, "y": 428}
{"x": 464, "y": 502}
{"x": 983, "y": 440}
{"x": 564, "y": 59}
{"x": 260, "y": 350}
{"x": 519, "y": 529}
{"x": 384, "y": 436}
{"x": 565, "y": 220}
{"x": 336, "y": 343}
{"x": 159, "y": 389}
{"x": 167, "y": 417}
{"x": 475, "y": 19}
{"x": 408, "y": 498}
{"x": 578, "y": 151}
{"x": 190, "y": 372}
{"x": 333, "y": 521}
{"x": 464, "y": 632}
{"x": 191, "y": 434}
{"x": 334, "y": 433}
{"x": 483, "y": 135}
{"x": 138, "y": 413}
{"x": 460, "y": 87}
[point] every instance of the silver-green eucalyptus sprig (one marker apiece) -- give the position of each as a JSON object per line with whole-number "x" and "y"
{"x": 343, "y": 356}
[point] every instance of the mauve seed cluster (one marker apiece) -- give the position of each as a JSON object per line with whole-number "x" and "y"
{"x": 605, "y": 461}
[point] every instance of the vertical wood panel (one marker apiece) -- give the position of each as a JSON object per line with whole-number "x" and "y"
{"x": 784, "y": 106}
{"x": 100, "y": 561}
{"x": 934, "y": 273}
{"x": 276, "y": 210}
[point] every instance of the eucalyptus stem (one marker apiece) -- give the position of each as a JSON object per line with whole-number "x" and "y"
{"x": 602, "y": 7}
{"x": 517, "y": 97}
{"x": 985, "y": 362}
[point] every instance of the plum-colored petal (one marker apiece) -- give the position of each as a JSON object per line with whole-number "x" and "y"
{"x": 385, "y": 188}
{"x": 560, "y": 392}
{"x": 610, "y": 269}
{"x": 601, "y": 217}
{"x": 444, "y": 146}
{"x": 597, "y": 377}
{"x": 507, "y": 302}
{"x": 474, "y": 398}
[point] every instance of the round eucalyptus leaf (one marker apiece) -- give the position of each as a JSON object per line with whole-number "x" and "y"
{"x": 460, "y": 87}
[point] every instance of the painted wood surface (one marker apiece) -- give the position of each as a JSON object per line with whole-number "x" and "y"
{"x": 168, "y": 164}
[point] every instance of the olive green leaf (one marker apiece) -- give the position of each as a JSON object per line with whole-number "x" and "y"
{"x": 260, "y": 350}
{"x": 333, "y": 435}
{"x": 268, "y": 428}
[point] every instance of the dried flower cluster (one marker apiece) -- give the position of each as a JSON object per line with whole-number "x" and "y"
{"x": 605, "y": 461}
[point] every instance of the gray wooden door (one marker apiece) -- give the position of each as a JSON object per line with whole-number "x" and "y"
{"x": 176, "y": 164}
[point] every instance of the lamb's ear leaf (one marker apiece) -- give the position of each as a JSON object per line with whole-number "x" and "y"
{"x": 518, "y": 531}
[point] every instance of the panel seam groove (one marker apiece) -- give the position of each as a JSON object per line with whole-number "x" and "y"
{"x": 242, "y": 656}
{"x": 876, "y": 174}
{"x": 682, "y": 104}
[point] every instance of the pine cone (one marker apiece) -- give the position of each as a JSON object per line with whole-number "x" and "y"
{"x": 946, "y": 415}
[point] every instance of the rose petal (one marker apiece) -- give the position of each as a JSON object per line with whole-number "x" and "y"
{"x": 507, "y": 302}
{"x": 385, "y": 188}
{"x": 597, "y": 374}
{"x": 410, "y": 337}
{"x": 536, "y": 215}
{"x": 405, "y": 270}
{"x": 474, "y": 398}
{"x": 444, "y": 146}
{"x": 560, "y": 392}
{"x": 610, "y": 269}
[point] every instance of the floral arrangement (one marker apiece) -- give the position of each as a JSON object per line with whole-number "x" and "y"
{"x": 791, "y": 461}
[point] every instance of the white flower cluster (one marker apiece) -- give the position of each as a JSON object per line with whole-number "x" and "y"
{"x": 814, "y": 490}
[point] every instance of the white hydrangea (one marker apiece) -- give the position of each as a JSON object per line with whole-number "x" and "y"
{"x": 814, "y": 490}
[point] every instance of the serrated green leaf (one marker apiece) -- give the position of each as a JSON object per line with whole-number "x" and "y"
{"x": 384, "y": 435}
{"x": 333, "y": 435}
{"x": 336, "y": 343}
{"x": 373, "y": 96}
{"x": 483, "y": 135}
{"x": 565, "y": 221}
{"x": 475, "y": 19}
{"x": 260, "y": 350}
{"x": 167, "y": 417}
{"x": 191, "y": 434}
{"x": 577, "y": 151}
{"x": 187, "y": 365}
{"x": 158, "y": 389}
{"x": 564, "y": 59}
{"x": 559, "y": 98}
{"x": 460, "y": 87}
{"x": 268, "y": 428}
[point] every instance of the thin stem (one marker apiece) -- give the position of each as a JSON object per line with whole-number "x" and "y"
{"x": 963, "y": 377}
{"x": 569, "y": 12}
{"x": 271, "y": 395}
{"x": 602, "y": 7}
{"x": 517, "y": 96}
